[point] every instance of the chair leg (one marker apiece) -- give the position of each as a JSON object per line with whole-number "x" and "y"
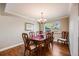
{"x": 52, "y": 44}
{"x": 24, "y": 52}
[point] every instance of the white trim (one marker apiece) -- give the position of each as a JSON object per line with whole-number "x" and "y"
{"x": 20, "y": 15}
{"x": 6, "y": 48}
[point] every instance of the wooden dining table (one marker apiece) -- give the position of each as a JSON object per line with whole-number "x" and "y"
{"x": 38, "y": 41}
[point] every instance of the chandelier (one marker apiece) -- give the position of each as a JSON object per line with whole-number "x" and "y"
{"x": 42, "y": 19}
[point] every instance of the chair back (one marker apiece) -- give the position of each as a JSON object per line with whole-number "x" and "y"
{"x": 32, "y": 34}
{"x": 65, "y": 35}
{"x": 25, "y": 38}
{"x": 48, "y": 35}
{"x": 48, "y": 39}
{"x": 40, "y": 32}
{"x": 52, "y": 35}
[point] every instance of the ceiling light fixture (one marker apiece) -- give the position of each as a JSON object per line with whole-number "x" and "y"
{"x": 42, "y": 19}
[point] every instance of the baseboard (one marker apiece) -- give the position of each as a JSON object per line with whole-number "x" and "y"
{"x": 6, "y": 48}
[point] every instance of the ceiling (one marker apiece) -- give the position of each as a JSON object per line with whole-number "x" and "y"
{"x": 33, "y": 10}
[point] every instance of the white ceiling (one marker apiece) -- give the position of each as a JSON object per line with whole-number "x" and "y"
{"x": 33, "y": 10}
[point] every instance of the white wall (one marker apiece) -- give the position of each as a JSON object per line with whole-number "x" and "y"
{"x": 78, "y": 30}
{"x": 64, "y": 24}
{"x": 11, "y": 29}
{"x": 73, "y": 30}
{"x": 78, "y": 36}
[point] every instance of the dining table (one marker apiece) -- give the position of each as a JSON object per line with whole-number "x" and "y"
{"x": 39, "y": 40}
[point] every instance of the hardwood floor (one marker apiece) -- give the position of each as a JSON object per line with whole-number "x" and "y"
{"x": 57, "y": 50}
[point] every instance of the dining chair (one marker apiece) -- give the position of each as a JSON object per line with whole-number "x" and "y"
{"x": 64, "y": 37}
{"x": 40, "y": 32}
{"x": 48, "y": 39}
{"x": 29, "y": 48}
{"x": 52, "y": 38}
{"x": 31, "y": 34}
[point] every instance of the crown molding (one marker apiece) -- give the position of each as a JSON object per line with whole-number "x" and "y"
{"x": 19, "y": 15}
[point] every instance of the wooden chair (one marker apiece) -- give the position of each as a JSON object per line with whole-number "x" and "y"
{"x": 48, "y": 40}
{"x": 40, "y": 32}
{"x": 64, "y": 38}
{"x": 28, "y": 46}
{"x": 31, "y": 34}
{"x": 52, "y": 38}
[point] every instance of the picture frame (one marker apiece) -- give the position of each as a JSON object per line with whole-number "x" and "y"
{"x": 29, "y": 27}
